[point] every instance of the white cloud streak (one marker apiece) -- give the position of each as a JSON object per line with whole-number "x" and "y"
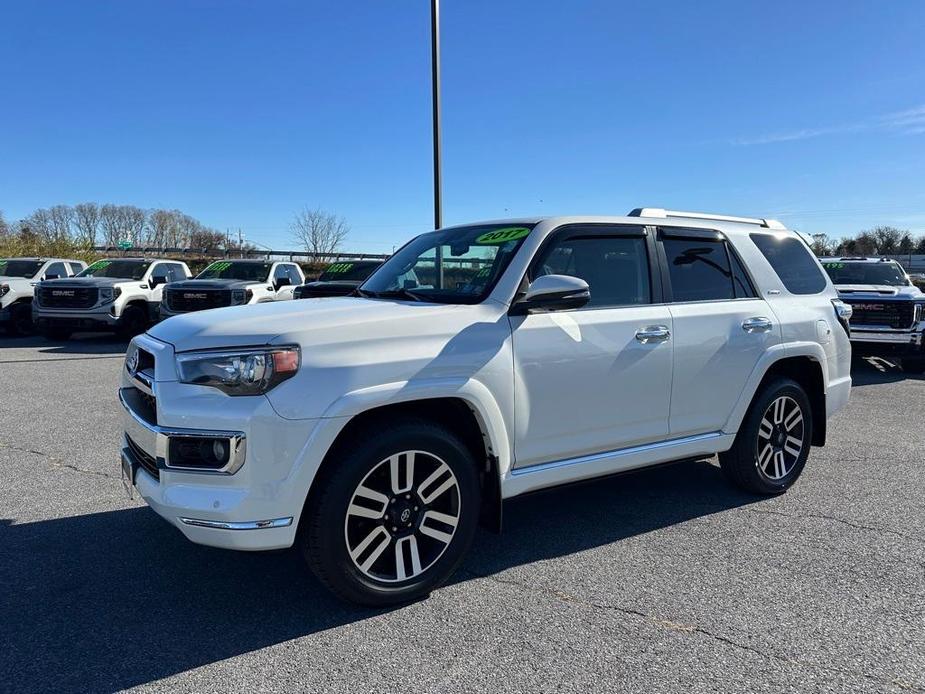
{"x": 908, "y": 122}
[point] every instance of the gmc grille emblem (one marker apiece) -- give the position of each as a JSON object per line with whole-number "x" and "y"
{"x": 195, "y": 295}
{"x": 62, "y": 292}
{"x": 870, "y": 307}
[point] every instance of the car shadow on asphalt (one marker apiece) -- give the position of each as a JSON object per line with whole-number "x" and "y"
{"x": 80, "y": 343}
{"x": 106, "y": 601}
{"x": 871, "y": 371}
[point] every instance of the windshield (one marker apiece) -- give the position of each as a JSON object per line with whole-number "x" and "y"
{"x": 19, "y": 268}
{"x": 123, "y": 269}
{"x": 230, "y": 270}
{"x": 890, "y": 274}
{"x": 453, "y": 266}
{"x": 347, "y": 272}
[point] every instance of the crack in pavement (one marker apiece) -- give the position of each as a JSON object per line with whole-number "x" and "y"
{"x": 835, "y": 519}
{"x": 562, "y": 596}
{"x": 56, "y": 463}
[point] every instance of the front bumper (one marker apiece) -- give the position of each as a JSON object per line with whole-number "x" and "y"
{"x": 84, "y": 321}
{"x": 255, "y": 508}
{"x": 886, "y": 342}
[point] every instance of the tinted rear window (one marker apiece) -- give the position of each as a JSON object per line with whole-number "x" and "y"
{"x": 699, "y": 269}
{"x": 792, "y": 262}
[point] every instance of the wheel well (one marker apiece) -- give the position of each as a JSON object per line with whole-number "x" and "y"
{"x": 453, "y": 414}
{"x": 808, "y": 373}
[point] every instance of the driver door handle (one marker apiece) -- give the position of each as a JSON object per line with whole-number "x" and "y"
{"x": 653, "y": 333}
{"x": 758, "y": 324}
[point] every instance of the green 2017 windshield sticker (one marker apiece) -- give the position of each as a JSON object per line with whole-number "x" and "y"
{"x": 339, "y": 268}
{"x": 99, "y": 265}
{"x": 502, "y": 235}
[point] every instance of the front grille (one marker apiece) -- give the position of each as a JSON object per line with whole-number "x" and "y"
{"x": 898, "y": 315}
{"x": 68, "y": 297}
{"x": 147, "y": 462}
{"x": 181, "y": 300}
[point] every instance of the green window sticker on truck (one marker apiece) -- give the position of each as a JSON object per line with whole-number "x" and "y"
{"x": 339, "y": 268}
{"x": 99, "y": 265}
{"x": 833, "y": 266}
{"x": 502, "y": 235}
{"x": 219, "y": 267}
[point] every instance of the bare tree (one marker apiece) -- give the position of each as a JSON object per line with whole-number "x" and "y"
{"x": 5, "y": 229}
{"x": 319, "y": 231}
{"x": 822, "y": 244}
{"x": 133, "y": 221}
{"x": 110, "y": 224}
{"x": 39, "y": 223}
{"x": 61, "y": 218}
{"x": 207, "y": 239}
{"x": 87, "y": 216}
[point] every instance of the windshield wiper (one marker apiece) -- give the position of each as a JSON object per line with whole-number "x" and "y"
{"x": 392, "y": 294}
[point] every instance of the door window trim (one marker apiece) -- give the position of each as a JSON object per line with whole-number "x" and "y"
{"x": 680, "y": 233}
{"x": 604, "y": 230}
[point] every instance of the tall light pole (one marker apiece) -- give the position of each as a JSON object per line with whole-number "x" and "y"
{"x": 435, "y": 85}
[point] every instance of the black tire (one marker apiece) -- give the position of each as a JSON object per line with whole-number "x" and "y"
{"x": 134, "y": 321}
{"x": 56, "y": 334}
{"x": 327, "y": 529}
{"x": 20, "y": 320}
{"x": 747, "y": 464}
{"x": 913, "y": 365}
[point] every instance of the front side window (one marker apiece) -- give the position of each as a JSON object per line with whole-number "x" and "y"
{"x": 792, "y": 261}
{"x": 454, "y": 266}
{"x": 19, "y": 268}
{"x": 615, "y": 268}
{"x": 232, "y": 270}
{"x": 120, "y": 269}
{"x": 56, "y": 270}
{"x": 699, "y": 269}
{"x": 890, "y": 274}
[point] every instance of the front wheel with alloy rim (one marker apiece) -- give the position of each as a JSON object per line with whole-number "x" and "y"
{"x": 773, "y": 442}
{"x": 395, "y": 514}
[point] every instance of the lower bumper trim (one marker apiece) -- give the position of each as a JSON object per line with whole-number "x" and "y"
{"x": 243, "y": 525}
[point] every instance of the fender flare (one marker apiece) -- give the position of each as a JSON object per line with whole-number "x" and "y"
{"x": 774, "y": 354}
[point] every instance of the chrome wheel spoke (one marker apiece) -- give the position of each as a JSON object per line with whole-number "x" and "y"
{"x": 364, "y": 510}
{"x": 778, "y": 407}
{"x": 793, "y": 446}
{"x": 780, "y": 466}
{"x": 379, "y": 533}
{"x": 407, "y": 547}
{"x": 794, "y": 418}
{"x": 765, "y": 429}
{"x": 401, "y": 469}
{"x": 428, "y": 492}
{"x": 765, "y": 456}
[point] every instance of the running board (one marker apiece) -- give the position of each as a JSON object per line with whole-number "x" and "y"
{"x": 532, "y": 477}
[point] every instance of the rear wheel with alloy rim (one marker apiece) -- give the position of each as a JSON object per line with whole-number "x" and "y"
{"x": 395, "y": 516}
{"x": 773, "y": 443}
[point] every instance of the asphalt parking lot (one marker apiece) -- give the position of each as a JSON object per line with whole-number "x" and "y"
{"x": 660, "y": 580}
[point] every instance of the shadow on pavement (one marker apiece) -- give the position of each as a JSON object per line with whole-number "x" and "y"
{"x": 107, "y": 601}
{"x": 871, "y": 371}
{"x": 80, "y": 343}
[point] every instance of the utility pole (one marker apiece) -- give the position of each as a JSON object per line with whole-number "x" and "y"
{"x": 435, "y": 87}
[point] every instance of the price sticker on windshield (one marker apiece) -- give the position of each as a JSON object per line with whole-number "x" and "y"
{"x": 502, "y": 235}
{"x": 100, "y": 264}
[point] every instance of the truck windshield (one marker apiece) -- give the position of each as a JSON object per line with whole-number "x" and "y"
{"x": 122, "y": 269}
{"x": 348, "y": 271}
{"x": 452, "y": 266}
{"x": 890, "y": 274}
{"x": 231, "y": 270}
{"x": 19, "y": 268}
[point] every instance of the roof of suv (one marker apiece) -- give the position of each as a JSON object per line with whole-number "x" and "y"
{"x": 856, "y": 259}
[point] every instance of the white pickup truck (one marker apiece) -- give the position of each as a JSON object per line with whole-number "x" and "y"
{"x": 112, "y": 295}
{"x": 18, "y": 277}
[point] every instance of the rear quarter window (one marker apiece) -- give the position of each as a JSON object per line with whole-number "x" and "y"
{"x": 793, "y": 263}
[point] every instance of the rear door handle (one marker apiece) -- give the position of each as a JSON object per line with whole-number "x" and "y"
{"x": 758, "y": 324}
{"x": 653, "y": 333}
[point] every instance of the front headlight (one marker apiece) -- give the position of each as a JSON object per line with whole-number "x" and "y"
{"x": 4, "y": 289}
{"x": 239, "y": 372}
{"x": 108, "y": 294}
{"x": 238, "y": 296}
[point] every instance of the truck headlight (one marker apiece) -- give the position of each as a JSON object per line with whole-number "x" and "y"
{"x": 108, "y": 294}
{"x": 238, "y": 296}
{"x": 239, "y": 372}
{"x": 4, "y": 289}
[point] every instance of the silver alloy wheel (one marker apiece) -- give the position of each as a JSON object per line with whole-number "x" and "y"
{"x": 780, "y": 438}
{"x": 402, "y": 516}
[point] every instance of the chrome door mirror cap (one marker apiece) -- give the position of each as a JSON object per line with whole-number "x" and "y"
{"x": 553, "y": 293}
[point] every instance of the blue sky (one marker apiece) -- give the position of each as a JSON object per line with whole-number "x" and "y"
{"x": 240, "y": 113}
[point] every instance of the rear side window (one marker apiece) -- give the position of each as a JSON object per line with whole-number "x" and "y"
{"x": 792, "y": 262}
{"x": 699, "y": 269}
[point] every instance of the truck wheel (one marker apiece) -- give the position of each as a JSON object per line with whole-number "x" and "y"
{"x": 773, "y": 442}
{"x": 132, "y": 323}
{"x": 913, "y": 365}
{"x": 20, "y": 321}
{"x": 394, "y": 516}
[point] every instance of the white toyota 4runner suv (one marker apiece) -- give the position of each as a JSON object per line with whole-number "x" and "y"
{"x": 18, "y": 277}
{"x": 114, "y": 294}
{"x": 232, "y": 283}
{"x": 888, "y": 317}
{"x": 376, "y": 431}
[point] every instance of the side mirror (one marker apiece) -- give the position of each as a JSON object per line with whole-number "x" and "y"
{"x": 553, "y": 293}
{"x": 52, "y": 277}
{"x": 281, "y": 282}
{"x": 156, "y": 280}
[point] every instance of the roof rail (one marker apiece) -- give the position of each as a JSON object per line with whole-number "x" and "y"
{"x": 663, "y": 213}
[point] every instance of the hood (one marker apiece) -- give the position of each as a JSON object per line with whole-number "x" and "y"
{"x": 306, "y": 323}
{"x": 17, "y": 283}
{"x": 883, "y": 291}
{"x": 317, "y": 289}
{"x": 212, "y": 284}
{"x": 88, "y": 282}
